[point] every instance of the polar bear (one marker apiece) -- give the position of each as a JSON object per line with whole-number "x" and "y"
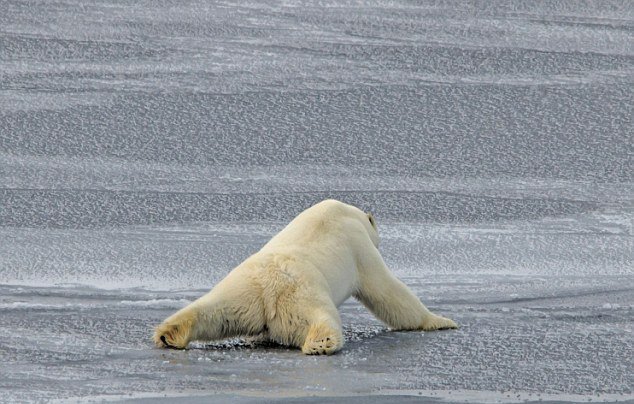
{"x": 290, "y": 289}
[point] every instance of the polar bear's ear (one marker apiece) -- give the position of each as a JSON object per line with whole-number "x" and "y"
{"x": 371, "y": 219}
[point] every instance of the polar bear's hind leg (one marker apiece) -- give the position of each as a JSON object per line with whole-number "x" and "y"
{"x": 324, "y": 337}
{"x": 311, "y": 323}
{"x": 176, "y": 331}
{"x": 228, "y": 312}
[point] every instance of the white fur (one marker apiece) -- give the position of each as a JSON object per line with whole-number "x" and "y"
{"x": 291, "y": 288}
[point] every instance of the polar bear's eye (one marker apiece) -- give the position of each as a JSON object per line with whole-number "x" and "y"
{"x": 371, "y": 219}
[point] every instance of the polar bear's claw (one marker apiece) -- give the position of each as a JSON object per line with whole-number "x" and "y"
{"x": 165, "y": 343}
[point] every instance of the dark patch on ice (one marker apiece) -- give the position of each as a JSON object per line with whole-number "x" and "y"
{"x": 351, "y": 334}
{"x": 238, "y": 344}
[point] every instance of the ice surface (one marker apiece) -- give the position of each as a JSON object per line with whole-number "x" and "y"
{"x": 146, "y": 148}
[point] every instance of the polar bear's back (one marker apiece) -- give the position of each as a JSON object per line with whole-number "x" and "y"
{"x": 327, "y": 238}
{"x": 322, "y": 225}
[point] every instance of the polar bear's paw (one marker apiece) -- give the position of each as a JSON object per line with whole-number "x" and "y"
{"x": 169, "y": 336}
{"x": 435, "y": 322}
{"x": 322, "y": 340}
{"x": 323, "y": 346}
{"x": 172, "y": 336}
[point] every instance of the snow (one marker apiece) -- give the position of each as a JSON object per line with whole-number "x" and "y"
{"x": 147, "y": 148}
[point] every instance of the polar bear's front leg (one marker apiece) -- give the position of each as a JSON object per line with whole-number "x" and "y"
{"x": 391, "y": 301}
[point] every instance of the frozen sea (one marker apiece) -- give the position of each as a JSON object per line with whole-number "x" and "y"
{"x": 147, "y": 147}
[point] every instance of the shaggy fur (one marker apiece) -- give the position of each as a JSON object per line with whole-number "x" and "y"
{"x": 291, "y": 288}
